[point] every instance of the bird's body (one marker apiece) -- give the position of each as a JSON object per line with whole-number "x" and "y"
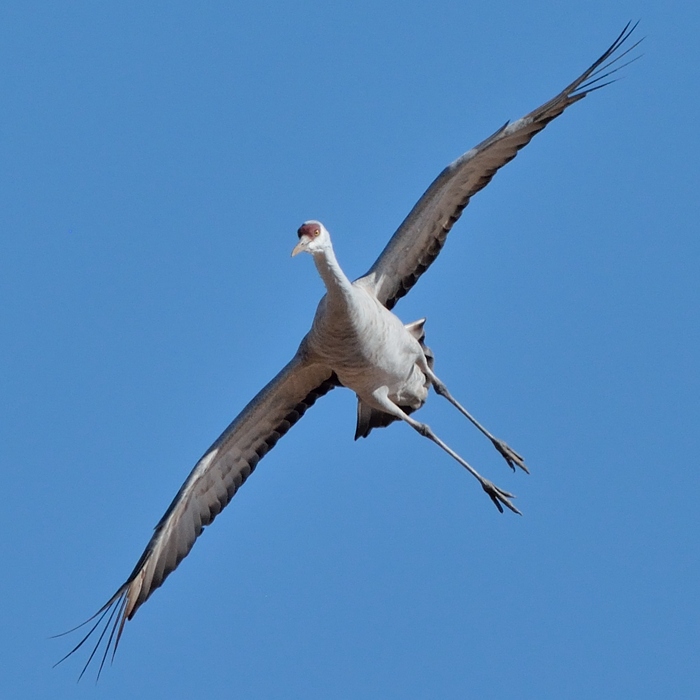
{"x": 355, "y": 341}
{"x": 361, "y": 341}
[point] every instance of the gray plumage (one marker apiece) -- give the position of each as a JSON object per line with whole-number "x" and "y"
{"x": 355, "y": 341}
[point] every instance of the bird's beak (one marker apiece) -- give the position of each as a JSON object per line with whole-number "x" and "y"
{"x": 299, "y": 247}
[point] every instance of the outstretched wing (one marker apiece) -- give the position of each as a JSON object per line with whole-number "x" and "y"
{"x": 209, "y": 488}
{"x": 420, "y": 237}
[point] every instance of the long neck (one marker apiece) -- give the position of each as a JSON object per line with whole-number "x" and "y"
{"x": 337, "y": 284}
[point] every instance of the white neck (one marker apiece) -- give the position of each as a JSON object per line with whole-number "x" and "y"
{"x": 332, "y": 275}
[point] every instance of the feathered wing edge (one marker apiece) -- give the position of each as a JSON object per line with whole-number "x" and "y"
{"x": 419, "y": 239}
{"x": 205, "y": 493}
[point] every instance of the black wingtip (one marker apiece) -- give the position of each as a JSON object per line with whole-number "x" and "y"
{"x": 113, "y": 611}
{"x": 603, "y": 67}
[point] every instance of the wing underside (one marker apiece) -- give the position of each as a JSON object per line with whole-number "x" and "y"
{"x": 208, "y": 489}
{"x": 419, "y": 239}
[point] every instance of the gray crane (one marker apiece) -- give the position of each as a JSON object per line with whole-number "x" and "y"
{"x": 355, "y": 341}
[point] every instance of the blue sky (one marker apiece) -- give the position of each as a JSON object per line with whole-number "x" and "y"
{"x": 156, "y": 160}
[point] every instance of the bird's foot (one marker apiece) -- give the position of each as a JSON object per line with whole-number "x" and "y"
{"x": 510, "y": 455}
{"x": 499, "y": 496}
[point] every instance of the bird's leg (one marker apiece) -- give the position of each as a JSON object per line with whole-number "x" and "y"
{"x": 499, "y": 497}
{"x": 508, "y": 453}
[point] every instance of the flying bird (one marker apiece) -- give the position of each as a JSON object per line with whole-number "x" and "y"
{"x": 355, "y": 341}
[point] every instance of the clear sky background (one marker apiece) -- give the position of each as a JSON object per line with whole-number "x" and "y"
{"x": 156, "y": 160}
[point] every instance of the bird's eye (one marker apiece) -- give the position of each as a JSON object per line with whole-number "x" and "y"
{"x": 317, "y": 232}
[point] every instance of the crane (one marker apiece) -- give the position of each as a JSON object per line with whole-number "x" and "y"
{"x": 355, "y": 341}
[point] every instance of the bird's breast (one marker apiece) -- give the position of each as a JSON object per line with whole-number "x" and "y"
{"x": 367, "y": 346}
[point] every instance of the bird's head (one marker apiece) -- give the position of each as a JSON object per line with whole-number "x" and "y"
{"x": 313, "y": 238}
